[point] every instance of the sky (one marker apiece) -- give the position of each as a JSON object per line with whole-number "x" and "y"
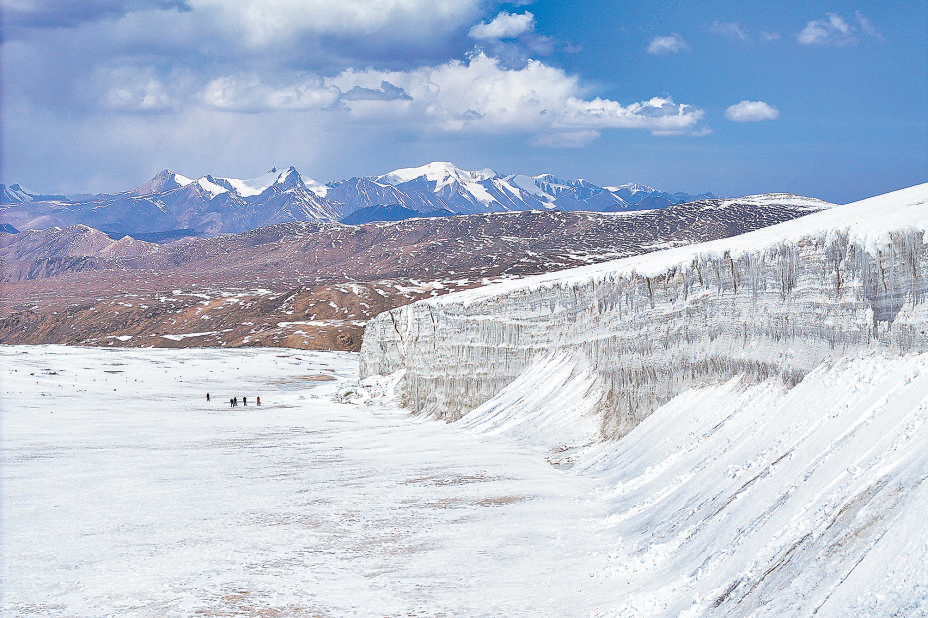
{"x": 826, "y": 99}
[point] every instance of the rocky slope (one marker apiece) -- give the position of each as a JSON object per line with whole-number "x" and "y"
{"x": 314, "y": 285}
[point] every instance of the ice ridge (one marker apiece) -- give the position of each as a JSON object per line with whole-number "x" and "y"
{"x": 774, "y": 303}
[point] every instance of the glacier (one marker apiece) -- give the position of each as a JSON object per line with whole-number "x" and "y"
{"x": 773, "y": 303}
{"x": 753, "y": 410}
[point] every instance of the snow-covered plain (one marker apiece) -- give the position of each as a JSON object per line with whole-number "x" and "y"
{"x": 126, "y": 493}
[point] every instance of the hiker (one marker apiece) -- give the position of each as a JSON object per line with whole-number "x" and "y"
{"x": 259, "y": 400}
{"x": 231, "y": 402}
{"x": 207, "y": 397}
{"x": 244, "y": 401}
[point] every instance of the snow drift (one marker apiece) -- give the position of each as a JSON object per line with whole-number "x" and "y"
{"x": 773, "y": 303}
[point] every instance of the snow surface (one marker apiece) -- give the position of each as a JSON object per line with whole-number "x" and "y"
{"x": 254, "y": 186}
{"x": 211, "y": 187}
{"x": 126, "y": 493}
{"x": 789, "y": 199}
{"x": 527, "y": 184}
{"x": 182, "y": 180}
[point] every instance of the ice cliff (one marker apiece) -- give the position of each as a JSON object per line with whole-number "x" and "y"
{"x": 639, "y": 331}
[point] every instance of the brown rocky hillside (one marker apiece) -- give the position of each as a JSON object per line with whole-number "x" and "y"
{"x": 314, "y": 285}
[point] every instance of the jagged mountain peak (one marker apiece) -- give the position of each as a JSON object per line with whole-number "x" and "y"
{"x": 14, "y": 194}
{"x": 213, "y": 204}
{"x": 250, "y": 187}
{"x": 165, "y": 180}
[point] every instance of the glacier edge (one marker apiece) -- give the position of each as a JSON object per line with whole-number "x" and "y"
{"x": 771, "y": 303}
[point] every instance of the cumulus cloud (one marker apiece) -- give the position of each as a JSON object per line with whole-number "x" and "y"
{"x": 272, "y": 21}
{"x": 835, "y": 31}
{"x": 250, "y": 92}
{"x": 666, "y": 45}
{"x": 504, "y": 26}
{"x": 732, "y": 30}
{"x": 751, "y": 111}
{"x": 483, "y": 95}
{"x": 128, "y": 89}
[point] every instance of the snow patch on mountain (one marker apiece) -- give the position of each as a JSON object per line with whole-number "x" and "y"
{"x": 254, "y": 186}
{"x": 14, "y": 194}
{"x": 528, "y": 184}
{"x": 442, "y": 173}
{"x": 210, "y": 187}
{"x": 776, "y": 198}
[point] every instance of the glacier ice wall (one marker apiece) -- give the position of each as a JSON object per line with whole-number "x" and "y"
{"x": 776, "y": 302}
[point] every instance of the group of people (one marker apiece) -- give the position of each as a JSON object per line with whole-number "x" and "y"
{"x": 233, "y": 402}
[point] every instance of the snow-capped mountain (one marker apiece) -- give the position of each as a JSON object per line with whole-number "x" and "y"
{"x": 366, "y": 269}
{"x": 14, "y": 194}
{"x": 170, "y": 201}
{"x": 212, "y": 205}
{"x": 442, "y": 186}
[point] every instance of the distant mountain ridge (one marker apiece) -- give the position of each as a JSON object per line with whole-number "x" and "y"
{"x": 315, "y": 284}
{"x": 213, "y": 205}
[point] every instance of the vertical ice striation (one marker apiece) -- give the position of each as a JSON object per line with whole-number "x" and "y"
{"x": 775, "y": 302}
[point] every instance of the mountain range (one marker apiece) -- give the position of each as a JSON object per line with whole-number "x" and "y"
{"x": 311, "y": 284}
{"x": 172, "y": 205}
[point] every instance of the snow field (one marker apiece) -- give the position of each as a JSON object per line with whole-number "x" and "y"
{"x": 734, "y": 498}
{"x": 125, "y": 493}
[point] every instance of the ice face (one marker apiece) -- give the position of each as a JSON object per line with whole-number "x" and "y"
{"x": 773, "y": 304}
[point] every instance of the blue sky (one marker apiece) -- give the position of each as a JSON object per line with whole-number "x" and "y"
{"x": 826, "y": 99}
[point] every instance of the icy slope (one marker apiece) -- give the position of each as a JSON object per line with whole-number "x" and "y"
{"x": 772, "y": 303}
{"x": 749, "y": 499}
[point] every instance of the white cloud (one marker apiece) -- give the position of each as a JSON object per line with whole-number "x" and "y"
{"x": 482, "y": 95}
{"x": 866, "y": 26}
{"x": 504, "y": 26}
{"x": 131, "y": 89}
{"x": 733, "y": 30}
{"x": 751, "y": 111}
{"x": 770, "y": 36}
{"x": 272, "y": 22}
{"x": 250, "y": 93}
{"x": 666, "y": 45}
{"x": 833, "y": 30}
